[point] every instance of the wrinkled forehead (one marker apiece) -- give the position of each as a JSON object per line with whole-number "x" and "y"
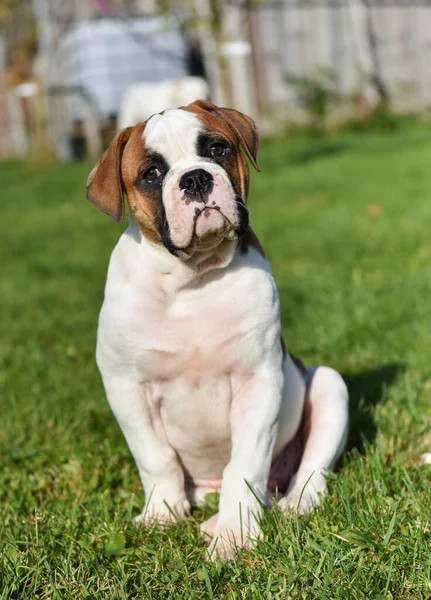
{"x": 173, "y": 134}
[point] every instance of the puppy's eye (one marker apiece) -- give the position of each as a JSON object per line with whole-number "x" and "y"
{"x": 151, "y": 175}
{"x": 219, "y": 149}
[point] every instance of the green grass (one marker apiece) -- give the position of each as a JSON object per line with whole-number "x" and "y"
{"x": 346, "y": 223}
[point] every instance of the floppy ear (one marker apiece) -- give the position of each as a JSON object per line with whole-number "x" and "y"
{"x": 242, "y": 125}
{"x": 104, "y": 184}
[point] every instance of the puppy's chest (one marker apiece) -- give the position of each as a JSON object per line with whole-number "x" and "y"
{"x": 192, "y": 340}
{"x": 192, "y": 353}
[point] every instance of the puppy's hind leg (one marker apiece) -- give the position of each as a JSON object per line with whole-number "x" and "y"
{"x": 325, "y": 432}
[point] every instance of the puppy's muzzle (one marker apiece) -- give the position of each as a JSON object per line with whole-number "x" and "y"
{"x": 197, "y": 185}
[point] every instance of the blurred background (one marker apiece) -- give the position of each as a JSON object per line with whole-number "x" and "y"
{"x": 72, "y": 71}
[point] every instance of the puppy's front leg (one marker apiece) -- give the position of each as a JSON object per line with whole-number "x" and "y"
{"x": 254, "y": 423}
{"x": 161, "y": 474}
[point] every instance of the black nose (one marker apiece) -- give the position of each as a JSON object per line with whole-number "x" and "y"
{"x": 197, "y": 184}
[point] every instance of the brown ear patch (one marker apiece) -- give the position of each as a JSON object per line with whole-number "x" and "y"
{"x": 104, "y": 184}
{"x": 243, "y": 126}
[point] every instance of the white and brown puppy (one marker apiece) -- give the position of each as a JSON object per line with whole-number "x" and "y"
{"x": 143, "y": 100}
{"x": 189, "y": 342}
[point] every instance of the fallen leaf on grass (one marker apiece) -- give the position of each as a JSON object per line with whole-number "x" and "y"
{"x": 374, "y": 210}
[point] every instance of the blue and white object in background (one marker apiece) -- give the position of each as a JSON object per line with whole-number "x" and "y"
{"x": 107, "y": 56}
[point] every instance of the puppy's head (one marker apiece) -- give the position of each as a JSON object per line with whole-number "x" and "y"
{"x": 184, "y": 175}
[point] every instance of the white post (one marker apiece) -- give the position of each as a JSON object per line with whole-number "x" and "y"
{"x": 237, "y": 49}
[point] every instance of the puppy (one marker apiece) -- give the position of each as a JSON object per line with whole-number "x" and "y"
{"x": 141, "y": 101}
{"x": 189, "y": 344}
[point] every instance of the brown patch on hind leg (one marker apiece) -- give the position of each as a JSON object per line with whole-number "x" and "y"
{"x": 286, "y": 463}
{"x": 324, "y": 430}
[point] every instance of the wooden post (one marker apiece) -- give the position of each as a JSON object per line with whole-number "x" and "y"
{"x": 374, "y": 90}
{"x": 217, "y": 15}
{"x": 254, "y": 39}
{"x": 210, "y": 29}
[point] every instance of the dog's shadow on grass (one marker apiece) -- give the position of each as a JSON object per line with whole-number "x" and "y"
{"x": 366, "y": 390}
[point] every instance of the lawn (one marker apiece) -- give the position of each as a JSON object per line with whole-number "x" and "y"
{"x": 346, "y": 223}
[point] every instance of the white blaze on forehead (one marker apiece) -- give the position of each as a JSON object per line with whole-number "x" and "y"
{"x": 173, "y": 134}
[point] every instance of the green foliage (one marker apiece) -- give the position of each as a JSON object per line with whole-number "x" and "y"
{"x": 345, "y": 221}
{"x": 6, "y": 11}
{"x": 381, "y": 119}
{"x": 316, "y": 93}
{"x": 115, "y": 545}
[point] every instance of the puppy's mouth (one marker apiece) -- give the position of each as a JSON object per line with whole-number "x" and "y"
{"x": 201, "y": 209}
{"x": 210, "y": 240}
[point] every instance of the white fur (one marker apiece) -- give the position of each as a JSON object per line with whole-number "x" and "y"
{"x": 141, "y": 101}
{"x": 192, "y": 365}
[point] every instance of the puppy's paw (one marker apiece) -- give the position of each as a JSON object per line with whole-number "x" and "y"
{"x": 304, "y": 497}
{"x": 426, "y": 458}
{"x": 208, "y": 527}
{"x": 227, "y": 539}
{"x": 226, "y": 543}
{"x": 163, "y": 513}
